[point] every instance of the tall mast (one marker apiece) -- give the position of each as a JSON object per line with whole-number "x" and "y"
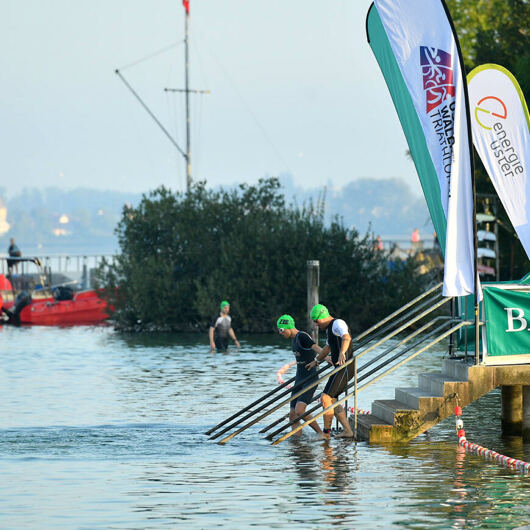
{"x": 187, "y": 90}
{"x": 186, "y": 155}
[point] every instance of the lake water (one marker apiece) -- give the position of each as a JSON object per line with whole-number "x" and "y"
{"x": 104, "y": 430}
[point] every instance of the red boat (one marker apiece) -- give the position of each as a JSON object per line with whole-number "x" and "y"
{"x": 65, "y": 307}
{"x": 85, "y": 308}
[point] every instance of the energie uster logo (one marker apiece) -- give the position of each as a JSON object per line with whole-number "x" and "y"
{"x": 436, "y": 67}
{"x": 488, "y": 107}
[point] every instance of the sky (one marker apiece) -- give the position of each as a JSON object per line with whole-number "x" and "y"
{"x": 294, "y": 88}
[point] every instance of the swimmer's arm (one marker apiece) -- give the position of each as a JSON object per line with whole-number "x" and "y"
{"x": 210, "y": 334}
{"x": 322, "y": 353}
{"x": 316, "y": 348}
{"x": 233, "y": 335}
{"x": 346, "y": 341}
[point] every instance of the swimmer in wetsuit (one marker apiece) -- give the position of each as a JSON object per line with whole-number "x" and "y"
{"x": 338, "y": 344}
{"x": 221, "y": 329}
{"x": 304, "y": 349}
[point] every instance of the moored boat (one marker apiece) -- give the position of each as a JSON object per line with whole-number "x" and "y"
{"x": 86, "y": 307}
{"x": 23, "y": 301}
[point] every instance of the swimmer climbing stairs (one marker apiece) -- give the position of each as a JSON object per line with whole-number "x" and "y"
{"x": 393, "y": 342}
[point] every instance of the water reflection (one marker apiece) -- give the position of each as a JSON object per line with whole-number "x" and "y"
{"x": 107, "y": 428}
{"x": 305, "y": 463}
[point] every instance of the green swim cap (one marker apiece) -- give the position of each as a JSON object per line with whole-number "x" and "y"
{"x": 224, "y": 303}
{"x": 285, "y": 322}
{"x": 319, "y": 311}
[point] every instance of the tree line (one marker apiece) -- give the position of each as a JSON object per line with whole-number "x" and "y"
{"x": 181, "y": 254}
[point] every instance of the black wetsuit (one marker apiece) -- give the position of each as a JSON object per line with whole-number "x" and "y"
{"x": 221, "y": 325}
{"x": 303, "y": 353}
{"x": 337, "y": 382}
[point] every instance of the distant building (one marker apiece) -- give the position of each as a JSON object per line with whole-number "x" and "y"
{"x": 4, "y": 225}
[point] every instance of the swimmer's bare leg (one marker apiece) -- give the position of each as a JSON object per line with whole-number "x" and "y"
{"x": 340, "y": 414}
{"x": 300, "y": 410}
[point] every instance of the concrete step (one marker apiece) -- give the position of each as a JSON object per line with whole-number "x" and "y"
{"x": 389, "y": 409}
{"x": 372, "y": 428}
{"x": 416, "y": 398}
{"x": 439, "y": 384}
{"x": 455, "y": 368}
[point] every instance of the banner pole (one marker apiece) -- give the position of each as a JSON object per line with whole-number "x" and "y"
{"x": 473, "y": 185}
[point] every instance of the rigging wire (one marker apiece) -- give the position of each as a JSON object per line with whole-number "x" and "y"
{"x": 154, "y": 54}
{"x": 149, "y": 111}
{"x": 174, "y": 140}
{"x": 198, "y": 112}
{"x": 172, "y": 117}
{"x": 247, "y": 107}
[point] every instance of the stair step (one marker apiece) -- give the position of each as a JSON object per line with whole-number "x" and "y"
{"x": 372, "y": 428}
{"x": 437, "y": 383}
{"x": 455, "y": 368}
{"x": 413, "y": 397}
{"x": 386, "y": 409}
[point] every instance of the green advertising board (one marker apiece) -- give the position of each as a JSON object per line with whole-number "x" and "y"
{"x": 507, "y": 324}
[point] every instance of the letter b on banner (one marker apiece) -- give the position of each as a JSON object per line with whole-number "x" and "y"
{"x": 519, "y": 317}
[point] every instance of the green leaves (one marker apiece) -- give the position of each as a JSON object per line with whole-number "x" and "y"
{"x": 182, "y": 254}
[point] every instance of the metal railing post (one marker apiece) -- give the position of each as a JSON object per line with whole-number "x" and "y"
{"x": 355, "y": 398}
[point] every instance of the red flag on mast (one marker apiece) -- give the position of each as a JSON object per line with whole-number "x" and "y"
{"x": 186, "y": 4}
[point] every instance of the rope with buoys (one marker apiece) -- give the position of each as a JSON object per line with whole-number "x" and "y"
{"x": 512, "y": 463}
{"x": 359, "y": 411}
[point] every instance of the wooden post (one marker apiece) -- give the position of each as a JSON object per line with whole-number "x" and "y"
{"x": 526, "y": 412}
{"x": 313, "y": 282}
{"x": 512, "y": 409}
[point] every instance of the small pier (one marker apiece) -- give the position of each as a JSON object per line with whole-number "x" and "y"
{"x": 415, "y": 410}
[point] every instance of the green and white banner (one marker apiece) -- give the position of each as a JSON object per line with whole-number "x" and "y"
{"x": 417, "y": 51}
{"x": 508, "y": 323}
{"x": 501, "y": 134}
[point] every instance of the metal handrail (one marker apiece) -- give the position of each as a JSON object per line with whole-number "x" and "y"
{"x": 416, "y": 312}
{"x": 403, "y": 327}
{"x": 399, "y": 311}
{"x": 357, "y": 389}
{"x": 405, "y": 318}
{"x": 257, "y": 402}
{"x": 285, "y": 402}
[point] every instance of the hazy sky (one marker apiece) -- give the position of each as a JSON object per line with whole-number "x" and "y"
{"x": 295, "y": 88}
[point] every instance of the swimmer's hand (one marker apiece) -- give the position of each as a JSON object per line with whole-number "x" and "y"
{"x": 237, "y": 344}
{"x": 212, "y": 347}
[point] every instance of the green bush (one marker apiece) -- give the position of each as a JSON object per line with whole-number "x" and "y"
{"x": 181, "y": 254}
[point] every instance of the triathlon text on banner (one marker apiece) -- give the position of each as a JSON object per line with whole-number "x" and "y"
{"x": 416, "y": 48}
{"x": 501, "y": 134}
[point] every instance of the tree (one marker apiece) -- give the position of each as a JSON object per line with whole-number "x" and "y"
{"x": 181, "y": 254}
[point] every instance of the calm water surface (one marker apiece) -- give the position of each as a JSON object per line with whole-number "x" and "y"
{"x": 100, "y": 429}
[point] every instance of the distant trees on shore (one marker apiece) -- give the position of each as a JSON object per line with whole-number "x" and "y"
{"x": 181, "y": 254}
{"x": 53, "y": 216}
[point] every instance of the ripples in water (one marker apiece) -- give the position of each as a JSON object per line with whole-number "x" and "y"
{"x": 99, "y": 429}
